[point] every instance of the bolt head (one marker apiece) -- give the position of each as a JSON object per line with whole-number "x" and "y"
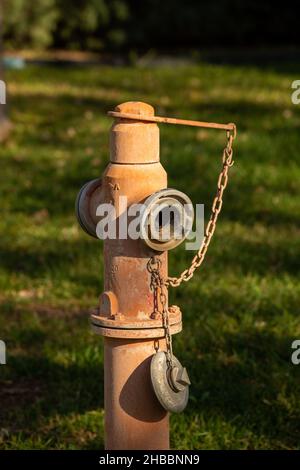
{"x": 179, "y": 379}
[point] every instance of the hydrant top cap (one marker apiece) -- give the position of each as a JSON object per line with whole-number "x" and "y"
{"x": 134, "y": 141}
{"x": 135, "y": 107}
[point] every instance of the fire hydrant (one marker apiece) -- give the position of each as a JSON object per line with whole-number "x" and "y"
{"x": 133, "y": 314}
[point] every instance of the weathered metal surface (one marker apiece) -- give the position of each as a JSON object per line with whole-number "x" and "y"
{"x": 134, "y": 419}
{"x": 133, "y": 141}
{"x": 171, "y": 391}
{"x": 125, "y": 260}
{"x": 125, "y": 327}
{"x": 101, "y": 317}
{"x": 135, "y": 333}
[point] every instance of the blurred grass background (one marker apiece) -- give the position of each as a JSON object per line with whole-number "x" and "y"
{"x": 241, "y": 311}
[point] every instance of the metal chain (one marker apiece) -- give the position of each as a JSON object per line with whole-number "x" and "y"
{"x": 160, "y": 291}
{"x": 187, "y": 274}
{"x": 158, "y": 284}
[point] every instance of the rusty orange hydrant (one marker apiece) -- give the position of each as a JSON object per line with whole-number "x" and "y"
{"x": 143, "y": 379}
{"x": 126, "y": 316}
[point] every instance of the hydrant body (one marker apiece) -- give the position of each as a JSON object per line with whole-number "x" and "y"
{"x": 142, "y": 376}
{"x": 126, "y": 316}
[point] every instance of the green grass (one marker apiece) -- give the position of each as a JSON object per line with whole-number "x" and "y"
{"x": 241, "y": 310}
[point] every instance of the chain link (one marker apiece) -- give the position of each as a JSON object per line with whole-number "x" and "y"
{"x": 158, "y": 284}
{"x": 160, "y": 291}
{"x": 187, "y": 274}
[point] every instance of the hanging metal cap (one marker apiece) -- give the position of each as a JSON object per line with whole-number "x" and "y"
{"x": 170, "y": 385}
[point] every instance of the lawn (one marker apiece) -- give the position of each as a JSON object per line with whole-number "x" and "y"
{"x": 241, "y": 310}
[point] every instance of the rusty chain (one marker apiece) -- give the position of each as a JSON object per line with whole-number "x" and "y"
{"x": 158, "y": 284}
{"x": 187, "y": 274}
{"x": 159, "y": 288}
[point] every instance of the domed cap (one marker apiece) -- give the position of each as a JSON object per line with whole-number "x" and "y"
{"x": 135, "y": 107}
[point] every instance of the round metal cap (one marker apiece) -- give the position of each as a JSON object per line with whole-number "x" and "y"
{"x": 171, "y": 387}
{"x": 84, "y": 208}
{"x": 167, "y": 219}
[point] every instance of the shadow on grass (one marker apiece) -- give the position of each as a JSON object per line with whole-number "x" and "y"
{"x": 36, "y": 261}
{"x": 250, "y": 384}
{"x": 61, "y": 390}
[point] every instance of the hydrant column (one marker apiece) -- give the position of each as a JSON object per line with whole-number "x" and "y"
{"x": 126, "y": 314}
{"x": 134, "y": 419}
